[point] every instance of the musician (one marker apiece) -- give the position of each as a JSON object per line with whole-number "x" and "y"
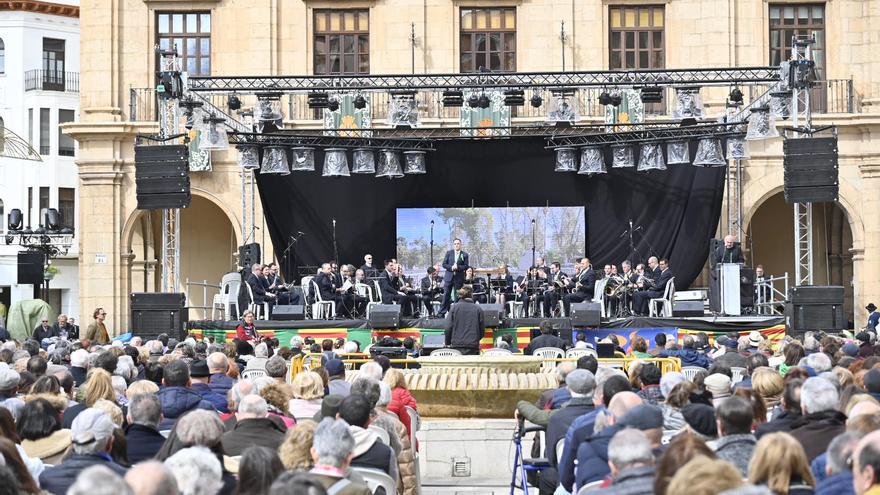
{"x": 652, "y": 273}
{"x": 337, "y": 277}
{"x": 507, "y": 290}
{"x": 607, "y": 271}
{"x": 630, "y": 280}
{"x": 360, "y": 277}
{"x": 642, "y": 297}
{"x": 407, "y": 288}
{"x": 554, "y": 290}
{"x": 614, "y": 270}
{"x": 455, "y": 263}
{"x": 582, "y": 285}
{"x": 258, "y": 286}
{"x": 330, "y": 292}
{"x": 478, "y": 286}
{"x": 367, "y": 267}
{"x": 729, "y": 252}
{"x": 391, "y": 290}
{"x": 528, "y": 289}
{"x": 279, "y": 288}
{"x": 432, "y": 289}
{"x": 543, "y": 270}
{"x": 356, "y": 303}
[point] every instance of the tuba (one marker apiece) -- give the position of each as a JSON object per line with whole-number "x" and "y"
{"x": 614, "y": 285}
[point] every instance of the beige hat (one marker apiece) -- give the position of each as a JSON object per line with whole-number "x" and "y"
{"x": 718, "y": 385}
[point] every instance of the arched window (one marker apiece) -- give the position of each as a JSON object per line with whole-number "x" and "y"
{"x": 2, "y": 57}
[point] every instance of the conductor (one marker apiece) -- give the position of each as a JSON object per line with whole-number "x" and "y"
{"x": 465, "y": 327}
{"x": 730, "y": 252}
{"x": 455, "y": 263}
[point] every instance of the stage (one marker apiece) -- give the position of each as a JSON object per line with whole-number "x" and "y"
{"x": 520, "y": 328}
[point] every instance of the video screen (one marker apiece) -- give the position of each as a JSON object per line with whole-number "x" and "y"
{"x": 491, "y": 236}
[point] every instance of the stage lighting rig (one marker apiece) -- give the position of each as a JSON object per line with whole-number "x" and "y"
{"x": 453, "y": 98}
{"x": 333, "y": 104}
{"x": 318, "y": 100}
{"x": 536, "y": 101}
{"x": 735, "y": 96}
{"x": 616, "y": 100}
{"x": 604, "y": 98}
{"x": 514, "y": 98}
{"x": 652, "y": 94}
{"x": 473, "y": 101}
{"x": 359, "y": 102}
{"x": 483, "y": 101}
{"x": 233, "y": 102}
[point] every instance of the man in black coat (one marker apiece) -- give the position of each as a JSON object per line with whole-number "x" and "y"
{"x": 390, "y": 290}
{"x": 729, "y": 252}
{"x": 546, "y": 339}
{"x": 642, "y": 297}
{"x": 791, "y": 410}
{"x": 258, "y": 286}
{"x": 465, "y": 327}
{"x": 253, "y": 427}
{"x": 329, "y": 291}
{"x": 142, "y": 436}
{"x": 64, "y": 329}
{"x": 582, "y": 286}
{"x": 43, "y": 331}
{"x": 455, "y": 263}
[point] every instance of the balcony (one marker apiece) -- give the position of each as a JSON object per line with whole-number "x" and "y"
{"x": 44, "y": 80}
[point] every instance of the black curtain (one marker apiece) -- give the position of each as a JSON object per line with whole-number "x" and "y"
{"x": 676, "y": 211}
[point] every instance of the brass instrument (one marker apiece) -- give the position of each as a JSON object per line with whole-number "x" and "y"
{"x": 614, "y": 285}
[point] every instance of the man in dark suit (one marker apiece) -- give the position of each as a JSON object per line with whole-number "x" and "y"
{"x": 545, "y": 339}
{"x": 582, "y": 285}
{"x": 729, "y": 252}
{"x": 367, "y": 267}
{"x": 330, "y": 292}
{"x": 551, "y": 295}
{"x": 390, "y": 289}
{"x": 431, "y": 287}
{"x": 642, "y": 297}
{"x": 456, "y": 263}
{"x": 62, "y": 328}
{"x": 465, "y": 326}
{"x": 258, "y": 287}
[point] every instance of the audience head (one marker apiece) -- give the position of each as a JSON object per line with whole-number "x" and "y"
{"x": 355, "y": 410}
{"x": 257, "y": 470}
{"x": 629, "y": 448}
{"x": 308, "y": 385}
{"x": 176, "y": 374}
{"x": 367, "y": 387}
{"x": 333, "y": 443}
{"x": 581, "y": 383}
{"x": 840, "y": 452}
{"x": 92, "y": 432}
{"x": 145, "y": 409}
{"x": 99, "y": 480}
{"x": 866, "y": 463}
{"x": 199, "y": 428}
{"x": 705, "y": 476}
{"x": 295, "y": 450}
{"x": 818, "y": 395}
{"x": 371, "y": 369}
{"x": 196, "y": 470}
{"x": 777, "y": 460}
{"x": 151, "y": 478}
{"x": 735, "y": 417}
{"x": 679, "y": 452}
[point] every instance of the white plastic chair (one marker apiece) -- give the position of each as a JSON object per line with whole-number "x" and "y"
{"x": 738, "y": 374}
{"x": 577, "y": 353}
{"x": 666, "y": 300}
{"x": 590, "y": 487}
{"x": 515, "y": 308}
{"x": 690, "y": 372}
{"x": 375, "y": 478}
{"x": 258, "y": 309}
{"x": 445, "y": 352}
{"x": 599, "y": 295}
{"x": 252, "y": 374}
{"x": 415, "y": 424}
{"x": 366, "y": 291}
{"x": 304, "y": 284}
{"x": 496, "y": 352}
{"x": 549, "y": 353}
{"x": 230, "y": 284}
{"x": 321, "y": 308}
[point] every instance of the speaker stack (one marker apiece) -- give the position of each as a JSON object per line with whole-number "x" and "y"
{"x": 30, "y": 267}
{"x": 815, "y": 307}
{"x": 162, "y": 176}
{"x": 810, "y": 166}
{"x": 153, "y": 313}
{"x": 248, "y": 255}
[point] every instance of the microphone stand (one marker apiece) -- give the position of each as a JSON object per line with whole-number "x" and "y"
{"x": 335, "y": 249}
{"x": 432, "y": 244}
{"x": 291, "y": 247}
{"x": 533, "y": 242}
{"x": 635, "y": 260}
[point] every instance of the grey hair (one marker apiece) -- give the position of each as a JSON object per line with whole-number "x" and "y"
{"x": 200, "y": 427}
{"x": 818, "y": 395}
{"x": 333, "y": 442}
{"x": 840, "y": 450}
{"x": 261, "y": 350}
{"x": 196, "y": 470}
{"x": 99, "y": 480}
{"x": 125, "y": 368}
{"x": 255, "y": 405}
{"x": 629, "y": 446}
{"x": 262, "y": 382}
{"x": 21, "y": 354}
{"x": 145, "y": 409}
{"x": 119, "y": 384}
{"x": 151, "y": 478}
{"x": 563, "y": 369}
{"x": 155, "y": 346}
{"x": 371, "y": 370}
{"x": 236, "y": 394}
{"x": 819, "y": 361}
{"x": 276, "y": 367}
{"x": 384, "y": 395}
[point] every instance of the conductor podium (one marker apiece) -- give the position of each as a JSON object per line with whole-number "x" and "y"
{"x": 731, "y": 289}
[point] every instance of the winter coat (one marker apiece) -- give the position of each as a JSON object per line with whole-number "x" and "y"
{"x": 371, "y": 453}
{"x": 737, "y": 450}
{"x": 673, "y": 422}
{"x": 400, "y": 398}
{"x": 836, "y": 484}
{"x": 689, "y": 357}
{"x": 251, "y": 432}
{"x": 592, "y": 456}
{"x": 176, "y": 401}
{"x": 651, "y": 394}
{"x": 781, "y": 423}
{"x": 559, "y": 423}
{"x": 51, "y": 449}
{"x": 143, "y": 442}
{"x": 303, "y": 409}
{"x": 218, "y": 401}
{"x": 815, "y": 431}
{"x": 57, "y": 479}
{"x": 631, "y": 481}
{"x": 408, "y": 484}
{"x": 220, "y": 383}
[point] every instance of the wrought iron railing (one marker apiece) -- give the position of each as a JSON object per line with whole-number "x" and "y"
{"x": 51, "y": 80}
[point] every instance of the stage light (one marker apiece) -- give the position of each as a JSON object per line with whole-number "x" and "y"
{"x": 14, "y": 219}
{"x": 678, "y": 153}
{"x": 274, "y": 161}
{"x": 484, "y": 101}
{"x": 318, "y": 100}
{"x": 592, "y": 161}
{"x": 333, "y": 104}
{"x": 688, "y": 103}
{"x": 52, "y": 219}
{"x": 564, "y": 109}
{"x": 514, "y": 98}
{"x": 735, "y": 96}
{"x": 761, "y": 125}
{"x": 536, "y": 100}
{"x": 359, "y": 102}
{"x": 622, "y": 156}
{"x": 233, "y": 102}
{"x": 566, "y": 160}
{"x": 415, "y": 162}
{"x": 709, "y": 153}
{"x": 335, "y": 163}
{"x": 737, "y": 148}
{"x": 780, "y": 104}
{"x": 248, "y": 157}
{"x": 616, "y": 100}
{"x": 363, "y": 161}
{"x": 453, "y": 98}
{"x": 651, "y": 94}
{"x": 403, "y": 110}
{"x": 389, "y": 165}
{"x": 213, "y": 136}
{"x": 190, "y": 112}
{"x": 268, "y": 113}
{"x": 303, "y": 159}
{"x": 604, "y": 98}
{"x": 473, "y": 101}
{"x": 651, "y": 157}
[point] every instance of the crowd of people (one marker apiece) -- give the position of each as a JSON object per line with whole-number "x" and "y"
{"x": 199, "y": 418}
{"x": 796, "y": 418}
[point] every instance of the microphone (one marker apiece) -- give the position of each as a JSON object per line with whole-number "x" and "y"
{"x": 432, "y": 222}
{"x": 334, "y": 222}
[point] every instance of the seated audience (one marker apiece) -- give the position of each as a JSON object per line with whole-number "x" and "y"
{"x": 780, "y": 463}
{"x": 196, "y": 471}
{"x": 368, "y": 451}
{"x": 332, "y": 450}
{"x": 252, "y": 427}
{"x": 257, "y": 470}
{"x": 631, "y": 460}
{"x": 308, "y": 390}
{"x": 151, "y": 478}
{"x": 820, "y": 421}
{"x": 176, "y": 397}
{"x": 736, "y": 442}
{"x": 142, "y": 435}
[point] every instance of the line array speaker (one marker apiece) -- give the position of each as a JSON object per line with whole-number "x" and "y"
{"x": 248, "y": 255}
{"x": 815, "y": 307}
{"x": 162, "y": 176}
{"x": 811, "y": 170}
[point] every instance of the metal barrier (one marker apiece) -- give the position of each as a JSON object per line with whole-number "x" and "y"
{"x": 769, "y": 300}
{"x": 206, "y": 305}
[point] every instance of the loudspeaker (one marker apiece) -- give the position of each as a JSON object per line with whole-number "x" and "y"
{"x": 815, "y": 307}
{"x": 153, "y": 313}
{"x": 491, "y": 314}
{"x": 746, "y": 287}
{"x": 30, "y": 267}
{"x": 248, "y": 255}
{"x": 687, "y": 308}
{"x": 586, "y": 314}
{"x": 162, "y": 176}
{"x": 389, "y": 352}
{"x": 288, "y": 312}
{"x": 816, "y": 294}
{"x": 385, "y": 316}
{"x": 810, "y": 169}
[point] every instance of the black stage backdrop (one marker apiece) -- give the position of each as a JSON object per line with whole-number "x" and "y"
{"x": 677, "y": 209}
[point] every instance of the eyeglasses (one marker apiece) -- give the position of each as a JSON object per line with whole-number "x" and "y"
{"x": 45, "y": 321}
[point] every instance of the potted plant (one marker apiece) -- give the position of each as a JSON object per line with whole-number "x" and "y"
{"x": 50, "y": 272}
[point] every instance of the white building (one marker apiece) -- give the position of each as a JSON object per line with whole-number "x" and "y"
{"x": 39, "y": 88}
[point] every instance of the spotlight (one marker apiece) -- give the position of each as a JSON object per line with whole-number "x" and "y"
{"x": 233, "y": 102}
{"x": 536, "y": 100}
{"x": 214, "y": 136}
{"x": 318, "y": 100}
{"x": 616, "y": 99}
{"x": 333, "y": 105}
{"x": 473, "y": 101}
{"x": 484, "y": 101}
{"x": 735, "y": 96}
{"x": 652, "y": 94}
{"x": 14, "y": 219}
{"x": 453, "y": 98}
{"x": 360, "y": 102}
{"x": 52, "y": 219}
{"x": 604, "y": 98}
{"x": 514, "y": 98}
